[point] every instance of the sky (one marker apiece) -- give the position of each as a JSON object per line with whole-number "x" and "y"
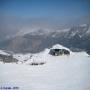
{"x": 45, "y": 8}
{"x": 18, "y": 14}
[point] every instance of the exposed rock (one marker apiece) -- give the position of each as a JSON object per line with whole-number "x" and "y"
{"x": 57, "y": 52}
{"x": 7, "y": 59}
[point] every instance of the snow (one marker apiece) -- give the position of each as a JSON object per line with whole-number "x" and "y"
{"x": 3, "y": 53}
{"x": 58, "y": 46}
{"x": 83, "y": 25}
{"x": 62, "y": 30}
{"x": 58, "y": 73}
{"x": 22, "y": 57}
{"x": 34, "y": 31}
{"x": 88, "y": 31}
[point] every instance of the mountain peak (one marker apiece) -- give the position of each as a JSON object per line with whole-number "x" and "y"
{"x": 58, "y": 46}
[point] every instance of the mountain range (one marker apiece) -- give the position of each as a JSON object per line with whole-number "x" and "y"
{"x": 77, "y": 38}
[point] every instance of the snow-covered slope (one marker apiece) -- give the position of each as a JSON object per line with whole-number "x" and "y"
{"x": 58, "y": 46}
{"x": 3, "y": 52}
{"x": 58, "y": 73}
{"x": 38, "y": 57}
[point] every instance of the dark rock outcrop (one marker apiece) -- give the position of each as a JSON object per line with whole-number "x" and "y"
{"x": 57, "y": 52}
{"x": 7, "y": 59}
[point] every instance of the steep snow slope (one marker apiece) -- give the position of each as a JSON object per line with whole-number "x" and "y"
{"x": 58, "y": 73}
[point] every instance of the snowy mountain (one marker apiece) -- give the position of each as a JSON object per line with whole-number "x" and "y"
{"x": 42, "y": 57}
{"x": 29, "y": 57}
{"x": 57, "y": 73}
{"x": 6, "y": 57}
{"x": 76, "y": 38}
{"x": 3, "y": 52}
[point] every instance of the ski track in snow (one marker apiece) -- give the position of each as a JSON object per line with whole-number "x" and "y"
{"x": 58, "y": 73}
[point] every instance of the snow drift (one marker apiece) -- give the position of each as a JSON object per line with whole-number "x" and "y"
{"x": 59, "y": 73}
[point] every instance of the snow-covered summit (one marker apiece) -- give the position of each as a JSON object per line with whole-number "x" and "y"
{"x": 37, "y": 57}
{"x": 3, "y": 52}
{"x": 83, "y": 25}
{"x": 58, "y": 46}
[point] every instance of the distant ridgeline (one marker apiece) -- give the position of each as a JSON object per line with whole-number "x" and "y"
{"x": 76, "y": 38}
